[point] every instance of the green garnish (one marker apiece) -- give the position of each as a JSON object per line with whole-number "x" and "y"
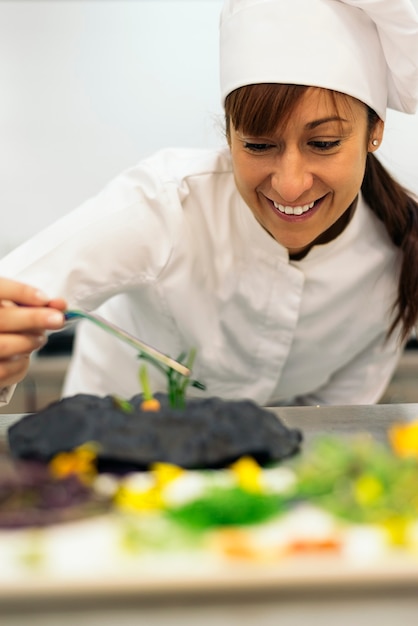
{"x": 122, "y": 404}
{"x": 227, "y": 507}
{"x": 144, "y": 380}
{"x": 359, "y": 481}
{"x": 176, "y": 383}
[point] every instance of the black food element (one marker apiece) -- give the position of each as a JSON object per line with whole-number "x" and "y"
{"x": 208, "y": 433}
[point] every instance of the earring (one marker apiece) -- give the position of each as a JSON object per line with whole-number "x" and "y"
{"x": 375, "y": 142}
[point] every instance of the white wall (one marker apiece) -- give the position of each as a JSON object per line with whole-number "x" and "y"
{"x": 88, "y": 87}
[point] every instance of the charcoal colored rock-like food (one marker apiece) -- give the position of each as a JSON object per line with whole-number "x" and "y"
{"x": 208, "y": 433}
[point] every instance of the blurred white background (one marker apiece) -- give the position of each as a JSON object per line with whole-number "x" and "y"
{"x": 89, "y": 87}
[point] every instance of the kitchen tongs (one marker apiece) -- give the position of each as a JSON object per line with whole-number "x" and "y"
{"x": 73, "y": 314}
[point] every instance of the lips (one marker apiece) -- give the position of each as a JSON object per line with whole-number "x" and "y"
{"x": 293, "y": 210}
{"x": 297, "y": 212}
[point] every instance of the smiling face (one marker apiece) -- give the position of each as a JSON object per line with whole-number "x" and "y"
{"x": 300, "y": 178}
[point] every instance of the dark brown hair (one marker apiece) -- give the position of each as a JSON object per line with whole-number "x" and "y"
{"x": 256, "y": 109}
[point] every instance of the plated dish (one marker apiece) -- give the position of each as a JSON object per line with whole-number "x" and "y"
{"x": 350, "y": 502}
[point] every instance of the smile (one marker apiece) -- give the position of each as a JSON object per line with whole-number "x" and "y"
{"x": 293, "y": 210}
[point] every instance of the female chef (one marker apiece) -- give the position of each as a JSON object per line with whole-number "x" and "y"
{"x": 288, "y": 259}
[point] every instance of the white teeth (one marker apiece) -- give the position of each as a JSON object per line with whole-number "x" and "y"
{"x": 293, "y": 210}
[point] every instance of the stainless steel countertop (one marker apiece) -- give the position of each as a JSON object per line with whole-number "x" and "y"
{"x": 347, "y": 420}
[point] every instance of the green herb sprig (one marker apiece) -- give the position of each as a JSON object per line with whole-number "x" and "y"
{"x": 176, "y": 383}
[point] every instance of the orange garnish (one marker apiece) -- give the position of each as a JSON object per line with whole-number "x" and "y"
{"x": 150, "y": 405}
{"x": 80, "y": 462}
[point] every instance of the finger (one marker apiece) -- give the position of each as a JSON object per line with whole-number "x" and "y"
{"x": 13, "y": 370}
{"x": 58, "y": 303}
{"x": 16, "y": 345}
{"x": 30, "y": 319}
{"x": 21, "y": 293}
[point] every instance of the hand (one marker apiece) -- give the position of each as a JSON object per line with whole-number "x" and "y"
{"x": 25, "y": 316}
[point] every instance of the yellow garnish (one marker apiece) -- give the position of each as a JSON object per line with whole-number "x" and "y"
{"x": 150, "y": 405}
{"x": 248, "y": 474}
{"x": 81, "y": 461}
{"x": 146, "y": 495}
{"x": 404, "y": 439}
{"x": 165, "y": 473}
{"x": 367, "y": 489}
{"x": 397, "y": 529}
{"x": 131, "y": 500}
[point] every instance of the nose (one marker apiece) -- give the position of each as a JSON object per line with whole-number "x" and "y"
{"x": 292, "y": 176}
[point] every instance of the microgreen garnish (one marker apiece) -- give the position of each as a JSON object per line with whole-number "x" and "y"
{"x": 176, "y": 383}
{"x": 122, "y": 404}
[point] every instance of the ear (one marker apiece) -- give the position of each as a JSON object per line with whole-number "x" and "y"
{"x": 376, "y": 136}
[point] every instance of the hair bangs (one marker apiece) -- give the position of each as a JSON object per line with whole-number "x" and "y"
{"x": 258, "y": 109}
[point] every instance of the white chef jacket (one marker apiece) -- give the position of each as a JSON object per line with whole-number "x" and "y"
{"x": 170, "y": 252}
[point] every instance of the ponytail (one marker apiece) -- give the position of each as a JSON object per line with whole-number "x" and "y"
{"x": 399, "y": 213}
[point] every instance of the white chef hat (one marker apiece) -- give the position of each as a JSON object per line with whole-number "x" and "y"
{"x": 367, "y": 49}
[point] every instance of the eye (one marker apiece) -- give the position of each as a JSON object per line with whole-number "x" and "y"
{"x": 257, "y": 147}
{"x": 325, "y": 145}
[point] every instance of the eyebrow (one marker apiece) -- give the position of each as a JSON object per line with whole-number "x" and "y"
{"x": 324, "y": 120}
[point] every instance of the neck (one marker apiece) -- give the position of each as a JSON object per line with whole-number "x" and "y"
{"x": 328, "y": 235}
